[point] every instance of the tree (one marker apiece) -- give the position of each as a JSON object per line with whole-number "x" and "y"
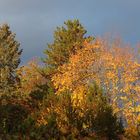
{"x": 67, "y": 39}
{"x": 94, "y": 117}
{"x": 113, "y": 67}
{"x": 33, "y": 86}
{"x": 30, "y": 77}
{"x": 9, "y": 60}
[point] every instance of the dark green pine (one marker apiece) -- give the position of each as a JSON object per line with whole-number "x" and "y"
{"x": 67, "y": 39}
{"x": 9, "y": 59}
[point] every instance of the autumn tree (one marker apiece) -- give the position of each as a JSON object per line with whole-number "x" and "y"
{"x": 9, "y": 60}
{"x": 30, "y": 77}
{"x": 94, "y": 117}
{"x": 33, "y": 86}
{"x": 111, "y": 65}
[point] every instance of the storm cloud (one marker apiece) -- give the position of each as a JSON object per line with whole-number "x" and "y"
{"x": 34, "y": 21}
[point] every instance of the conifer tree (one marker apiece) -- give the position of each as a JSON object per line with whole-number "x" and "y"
{"x": 9, "y": 60}
{"x": 67, "y": 39}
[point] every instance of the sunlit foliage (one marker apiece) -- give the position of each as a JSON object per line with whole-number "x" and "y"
{"x": 92, "y": 119}
{"x": 113, "y": 66}
{"x": 30, "y": 77}
{"x": 88, "y": 88}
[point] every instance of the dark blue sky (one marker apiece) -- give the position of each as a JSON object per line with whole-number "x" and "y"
{"x": 34, "y": 21}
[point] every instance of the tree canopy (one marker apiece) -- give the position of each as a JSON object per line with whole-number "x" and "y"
{"x": 88, "y": 88}
{"x": 9, "y": 59}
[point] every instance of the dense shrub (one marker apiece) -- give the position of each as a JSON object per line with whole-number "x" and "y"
{"x": 11, "y": 118}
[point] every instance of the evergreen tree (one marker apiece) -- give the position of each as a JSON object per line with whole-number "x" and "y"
{"x": 67, "y": 39}
{"x": 9, "y": 60}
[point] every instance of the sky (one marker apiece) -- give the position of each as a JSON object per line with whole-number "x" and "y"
{"x": 34, "y": 21}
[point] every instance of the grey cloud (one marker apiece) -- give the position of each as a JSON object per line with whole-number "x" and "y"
{"x": 35, "y": 20}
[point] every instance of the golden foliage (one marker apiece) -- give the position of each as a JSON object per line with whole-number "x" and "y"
{"x": 113, "y": 66}
{"x": 30, "y": 77}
